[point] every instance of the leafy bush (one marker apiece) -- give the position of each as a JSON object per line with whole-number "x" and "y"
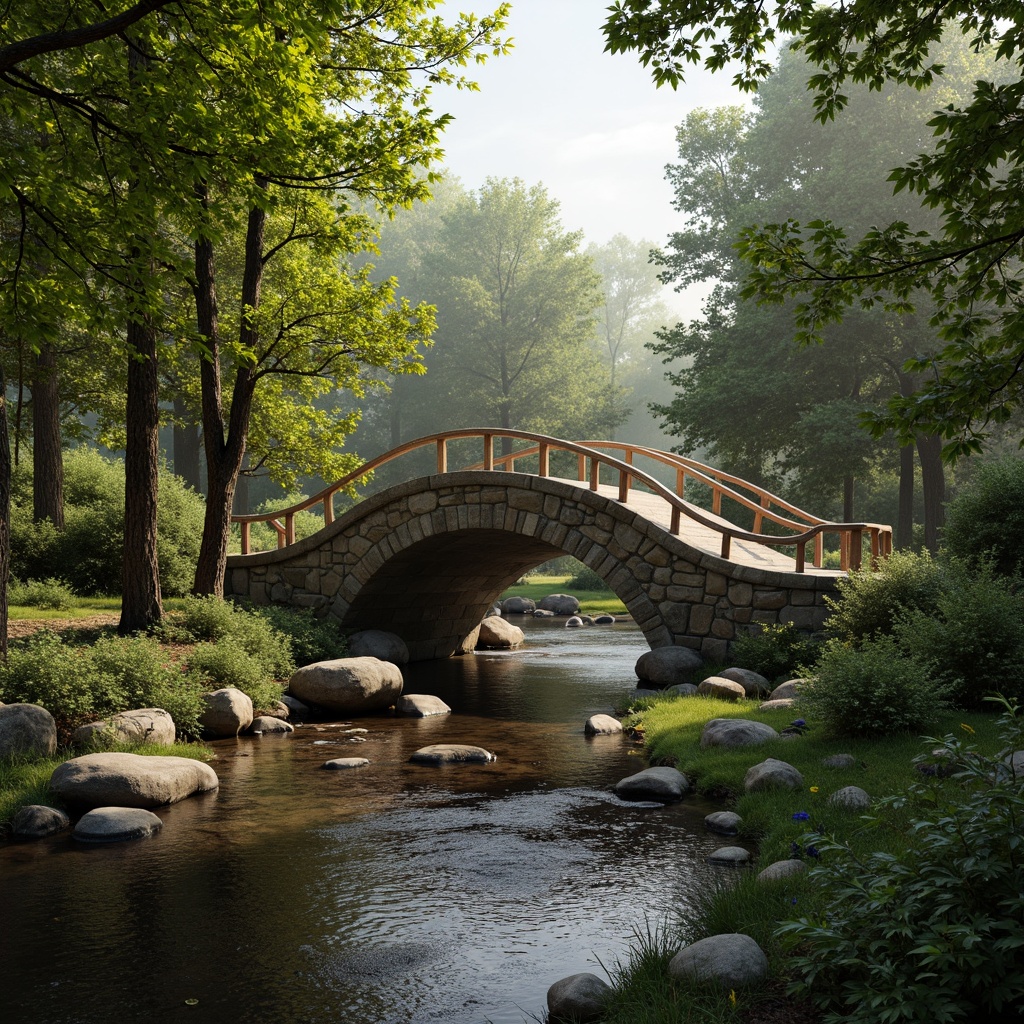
{"x": 312, "y": 639}
{"x": 874, "y": 688}
{"x": 49, "y": 594}
{"x": 88, "y": 551}
{"x": 774, "y": 651}
{"x": 870, "y": 601}
{"x": 934, "y": 934}
{"x": 986, "y": 518}
{"x": 227, "y": 663}
{"x": 586, "y": 579}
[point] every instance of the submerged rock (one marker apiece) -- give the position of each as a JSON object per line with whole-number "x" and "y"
{"x": 37, "y": 821}
{"x": 496, "y": 633}
{"x": 725, "y": 823}
{"x": 661, "y": 783}
{"x": 116, "y": 825}
{"x": 578, "y": 999}
{"x": 602, "y": 725}
{"x": 341, "y": 763}
{"x": 422, "y": 705}
{"x": 452, "y": 753}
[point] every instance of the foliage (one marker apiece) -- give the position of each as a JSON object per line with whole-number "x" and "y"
{"x": 312, "y": 639}
{"x": 934, "y": 933}
{"x": 774, "y": 650}
{"x": 986, "y": 517}
{"x": 87, "y": 553}
{"x": 230, "y": 662}
{"x": 586, "y": 579}
{"x": 50, "y": 594}
{"x": 871, "y": 601}
{"x": 872, "y": 688}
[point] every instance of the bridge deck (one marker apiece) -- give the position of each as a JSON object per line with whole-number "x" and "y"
{"x": 760, "y": 556}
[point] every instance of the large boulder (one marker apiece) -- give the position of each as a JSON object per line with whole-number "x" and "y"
{"x": 348, "y": 685}
{"x": 787, "y": 690}
{"x": 27, "y": 729}
{"x": 725, "y": 823}
{"x": 518, "y": 606}
{"x": 560, "y": 604}
{"x": 578, "y": 999}
{"x": 753, "y": 683}
{"x": 146, "y": 725}
{"x": 227, "y": 712}
{"x": 731, "y": 960}
{"x": 469, "y": 642}
{"x": 452, "y": 753}
{"x": 495, "y": 632}
{"x": 723, "y": 689}
{"x": 653, "y": 784}
{"x": 736, "y": 732}
{"x": 772, "y": 774}
{"x": 36, "y": 821}
{"x": 130, "y": 780}
{"x": 666, "y": 666}
{"x": 422, "y": 705}
{"x": 116, "y": 825}
{"x": 378, "y": 643}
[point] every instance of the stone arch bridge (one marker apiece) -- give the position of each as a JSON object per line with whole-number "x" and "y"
{"x": 426, "y": 558}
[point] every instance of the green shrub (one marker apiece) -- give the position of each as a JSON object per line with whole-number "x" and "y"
{"x": 874, "y": 688}
{"x": 201, "y": 618}
{"x": 935, "y": 933}
{"x": 586, "y": 579}
{"x": 49, "y": 594}
{"x": 774, "y": 651}
{"x": 986, "y": 518}
{"x": 870, "y": 601}
{"x": 312, "y": 639}
{"x": 227, "y": 663}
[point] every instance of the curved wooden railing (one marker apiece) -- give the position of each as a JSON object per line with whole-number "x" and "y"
{"x": 590, "y": 461}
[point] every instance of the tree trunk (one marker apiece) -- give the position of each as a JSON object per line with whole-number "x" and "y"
{"x": 848, "y": 482}
{"x": 905, "y": 512}
{"x": 240, "y": 505}
{"x": 47, "y": 458}
{"x": 5, "y": 514}
{"x": 140, "y": 596}
{"x": 186, "y": 447}
{"x": 933, "y": 485}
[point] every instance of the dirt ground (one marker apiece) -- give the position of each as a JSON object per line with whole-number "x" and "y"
{"x": 18, "y": 628}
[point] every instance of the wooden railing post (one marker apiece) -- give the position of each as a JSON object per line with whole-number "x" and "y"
{"x": 758, "y": 518}
{"x": 442, "y": 455}
{"x": 856, "y": 548}
{"x": 716, "y": 501}
{"x": 674, "y": 528}
{"x": 680, "y": 482}
{"x": 489, "y": 452}
{"x": 623, "y": 486}
{"x": 245, "y": 537}
{"x": 819, "y": 550}
{"x": 595, "y": 474}
{"x": 289, "y": 529}
{"x": 801, "y": 555}
{"x": 726, "y": 544}
{"x": 542, "y": 460}
{"x": 581, "y": 467}
{"x": 329, "y": 509}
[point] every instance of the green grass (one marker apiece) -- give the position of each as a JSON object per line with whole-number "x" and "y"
{"x": 592, "y": 602}
{"x": 84, "y": 607}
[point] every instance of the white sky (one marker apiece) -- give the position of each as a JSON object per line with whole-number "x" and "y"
{"x": 589, "y": 125}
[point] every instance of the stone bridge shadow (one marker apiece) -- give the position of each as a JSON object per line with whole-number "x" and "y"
{"x": 427, "y": 558}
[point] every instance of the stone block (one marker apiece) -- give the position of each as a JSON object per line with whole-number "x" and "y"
{"x": 420, "y": 504}
{"x": 803, "y": 618}
{"x": 692, "y": 594}
{"x": 528, "y": 501}
{"x": 663, "y": 575}
{"x": 716, "y": 584}
{"x": 723, "y": 629}
{"x": 702, "y": 617}
{"x": 741, "y": 594}
{"x": 770, "y": 599}
{"x": 801, "y": 597}
{"x": 675, "y": 616}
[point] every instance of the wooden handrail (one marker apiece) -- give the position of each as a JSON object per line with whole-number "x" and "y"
{"x": 589, "y": 463}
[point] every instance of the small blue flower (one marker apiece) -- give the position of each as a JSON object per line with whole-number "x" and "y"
{"x": 801, "y": 816}
{"x": 796, "y": 850}
{"x": 793, "y": 901}
{"x": 798, "y": 722}
{"x": 812, "y": 851}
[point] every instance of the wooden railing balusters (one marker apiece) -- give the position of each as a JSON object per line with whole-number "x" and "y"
{"x": 442, "y": 455}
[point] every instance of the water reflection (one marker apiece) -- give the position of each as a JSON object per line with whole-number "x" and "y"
{"x": 391, "y": 894}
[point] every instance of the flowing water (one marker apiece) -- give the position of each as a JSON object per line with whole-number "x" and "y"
{"x": 388, "y": 894}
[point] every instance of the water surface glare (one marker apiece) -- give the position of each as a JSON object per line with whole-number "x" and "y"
{"x": 389, "y": 894}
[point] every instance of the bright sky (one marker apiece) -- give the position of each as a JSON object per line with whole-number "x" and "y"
{"x": 589, "y": 125}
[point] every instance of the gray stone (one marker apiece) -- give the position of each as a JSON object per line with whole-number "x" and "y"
{"x": 781, "y": 869}
{"x": 573, "y": 622}
{"x": 776, "y": 705}
{"x": 604, "y": 620}
{"x": 518, "y": 606}
{"x": 279, "y": 710}
{"x": 560, "y": 604}
{"x": 469, "y": 642}
{"x": 731, "y": 960}
{"x": 666, "y": 666}
{"x": 36, "y": 821}
{"x": 839, "y": 761}
{"x": 1015, "y": 762}
{"x": 772, "y": 774}
{"x": 378, "y": 643}
{"x": 725, "y": 823}
{"x": 722, "y": 689}
{"x": 27, "y": 729}
{"x": 578, "y": 999}
{"x": 341, "y": 763}
{"x": 602, "y": 725}
{"x": 116, "y": 825}
{"x": 348, "y": 685}
{"x": 296, "y": 709}
{"x": 852, "y": 797}
{"x": 228, "y": 712}
{"x": 729, "y": 855}
{"x": 787, "y": 690}
{"x": 543, "y": 613}
{"x": 682, "y": 690}
{"x": 452, "y": 753}
{"x": 422, "y": 705}
{"x": 267, "y": 725}
{"x": 497, "y": 633}
{"x": 130, "y": 780}
{"x": 653, "y": 784}
{"x": 147, "y": 725}
{"x": 641, "y": 691}
{"x": 753, "y": 683}
{"x": 736, "y": 732}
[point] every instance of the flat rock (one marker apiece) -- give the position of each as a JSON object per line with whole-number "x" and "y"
{"x": 753, "y": 683}
{"x": 451, "y": 753}
{"x": 267, "y": 725}
{"x": 348, "y": 685}
{"x": 666, "y": 666}
{"x": 787, "y": 690}
{"x": 496, "y": 633}
{"x": 723, "y": 689}
{"x": 772, "y": 774}
{"x": 560, "y": 604}
{"x": 604, "y": 620}
{"x": 228, "y": 712}
{"x": 839, "y": 761}
{"x": 518, "y": 606}
{"x": 729, "y": 855}
{"x": 602, "y": 725}
{"x": 578, "y": 999}
{"x": 341, "y": 763}
{"x": 852, "y": 797}
{"x": 422, "y": 705}
{"x": 543, "y": 613}
{"x": 146, "y": 725}
{"x": 781, "y": 869}
{"x": 662, "y": 784}
{"x": 725, "y": 823}
{"x": 116, "y": 825}
{"x": 27, "y": 729}
{"x": 378, "y": 643}
{"x": 130, "y": 780}
{"x": 776, "y": 704}
{"x": 37, "y": 821}
{"x": 736, "y": 732}
{"x": 731, "y": 960}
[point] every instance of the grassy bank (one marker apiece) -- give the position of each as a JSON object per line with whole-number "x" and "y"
{"x": 592, "y": 602}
